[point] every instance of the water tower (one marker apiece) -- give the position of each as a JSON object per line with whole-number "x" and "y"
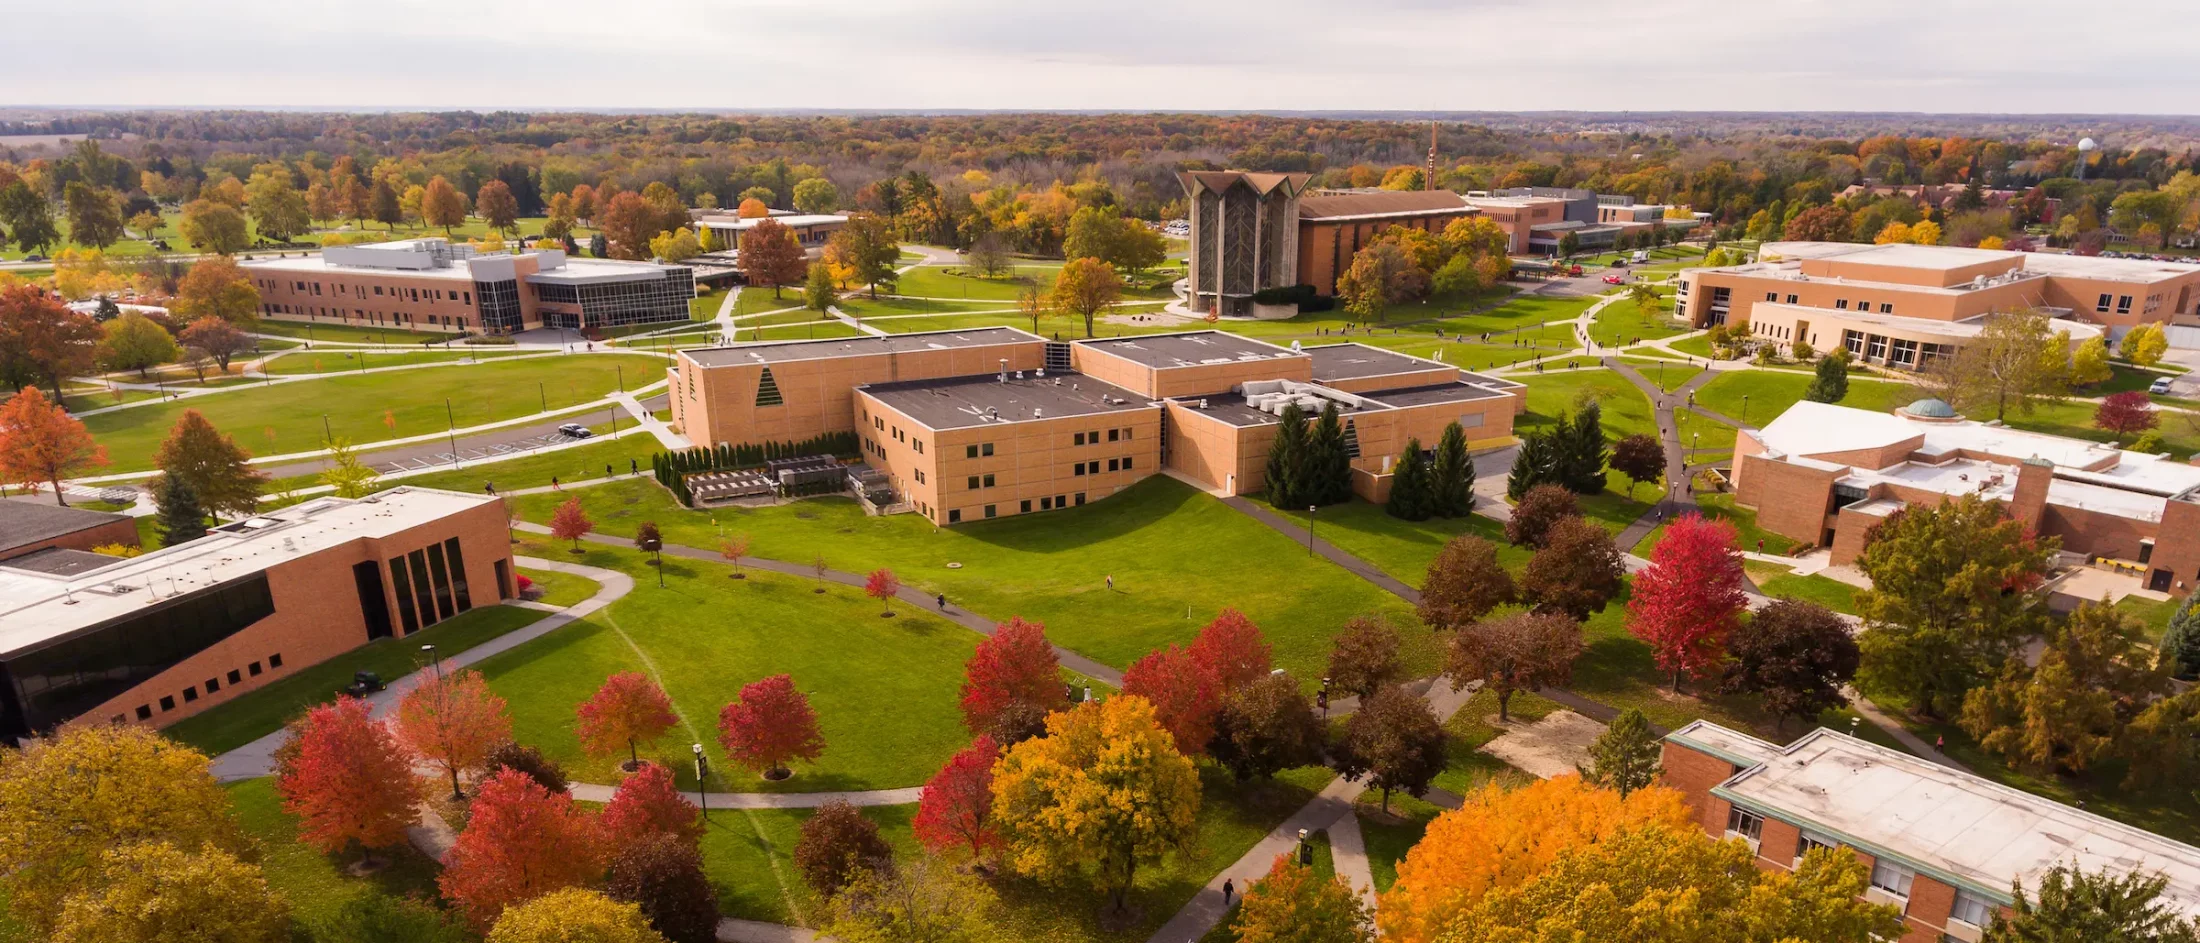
{"x": 2086, "y": 147}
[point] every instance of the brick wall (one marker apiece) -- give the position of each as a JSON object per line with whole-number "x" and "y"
{"x": 1693, "y": 774}
{"x": 121, "y": 531}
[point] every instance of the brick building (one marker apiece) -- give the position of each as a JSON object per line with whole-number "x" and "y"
{"x": 810, "y": 230}
{"x": 157, "y": 638}
{"x": 28, "y": 527}
{"x": 1824, "y": 474}
{"x": 983, "y": 423}
{"x": 1903, "y": 305}
{"x": 1943, "y": 846}
{"x": 433, "y": 285}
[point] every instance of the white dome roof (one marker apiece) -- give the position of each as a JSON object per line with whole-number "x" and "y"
{"x": 2088, "y": 144}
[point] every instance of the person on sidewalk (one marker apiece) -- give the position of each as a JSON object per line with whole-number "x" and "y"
{"x": 1229, "y": 891}
{"x": 943, "y": 602}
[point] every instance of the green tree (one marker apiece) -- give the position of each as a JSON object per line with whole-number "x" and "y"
{"x": 1292, "y": 904}
{"x": 154, "y": 892}
{"x": 2065, "y": 713}
{"x": 1582, "y": 452}
{"x": 2144, "y": 345}
{"x": 182, "y": 518}
{"x": 1454, "y": 474}
{"x": 1412, "y": 492}
{"x": 2181, "y": 641}
{"x": 346, "y": 474}
{"x": 95, "y": 215}
{"x": 27, "y": 218}
{"x": 1830, "y": 383}
{"x": 816, "y": 195}
{"x": 384, "y": 206}
{"x": 219, "y": 472}
{"x": 1625, "y": 756}
{"x": 2015, "y": 362}
{"x": 1286, "y": 456}
{"x": 1374, "y": 280}
{"x": 2089, "y": 363}
{"x": 1326, "y": 476}
{"x": 817, "y": 290}
{"x": 2105, "y": 906}
{"x": 214, "y": 227}
{"x": 134, "y": 342}
{"x": 919, "y": 901}
{"x": 865, "y": 249}
{"x": 1954, "y": 591}
{"x": 279, "y": 211}
{"x": 2138, "y": 209}
{"x": 1535, "y": 463}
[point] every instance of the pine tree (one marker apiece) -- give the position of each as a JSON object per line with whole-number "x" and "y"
{"x": 1625, "y": 756}
{"x": 1534, "y": 464}
{"x": 2181, "y": 644}
{"x": 1412, "y": 493}
{"x": 1832, "y": 382}
{"x": 181, "y": 516}
{"x": 1582, "y": 451}
{"x": 1327, "y": 468}
{"x": 1454, "y": 473}
{"x": 1285, "y": 457}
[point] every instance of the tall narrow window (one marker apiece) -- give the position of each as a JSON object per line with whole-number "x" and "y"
{"x": 402, "y": 583}
{"x": 423, "y": 587}
{"x": 442, "y": 576}
{"x": 458, "y": 574}
{"x": 767, "y": 389}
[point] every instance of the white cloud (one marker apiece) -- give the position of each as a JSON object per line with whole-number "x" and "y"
{"x": 1781, "y": 55}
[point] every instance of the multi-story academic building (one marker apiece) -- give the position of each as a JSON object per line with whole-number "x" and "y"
{"x": 1903, "y": 305}
{"x": 989, "y": 422}
{"x": 433, "y": 285}
{"x": 1825, "y": 474}
{"x": 1943, "y": 846}
{"x": 156, "y": 638}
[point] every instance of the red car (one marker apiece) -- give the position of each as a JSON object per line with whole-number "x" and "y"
{"x": 1615, "y": 279}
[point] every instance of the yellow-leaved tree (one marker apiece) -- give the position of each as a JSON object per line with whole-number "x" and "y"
{"x": 1292, "y": 904}
{"x": 573, "y": 915}
{"x": 66, "y": 802}
{"x": 1102, "y": 792}
{"x": 1502, "y": 839}
{"x": 153, "y": 892}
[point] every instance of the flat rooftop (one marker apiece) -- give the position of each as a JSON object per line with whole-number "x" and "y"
{"x": 40, "y": 607}
{"x": 987, "y": 400}
{"x": 728, "y": 220}
{"x": 1351, "y": 361}
{"x": 1433, "y": 393}
{"x": 1931, "y": 258}
{"x": 1942, "y": 258}
{"x": 59, "y": 561}
{"x": 1961, "y": 330}
{"x": 1974, "y": 833}
{"x": 1242, "y": 409}
{"x": 1189, "y": 349}
{"x": 559, "y": 268}
{"x": 27, "y": 522}
{"x": 829, "y": 348}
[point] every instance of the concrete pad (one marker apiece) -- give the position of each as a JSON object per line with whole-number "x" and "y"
{"x": 1549, "y": 747}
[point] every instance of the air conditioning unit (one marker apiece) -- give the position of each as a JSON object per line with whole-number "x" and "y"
{"x": 1959, "y": 930}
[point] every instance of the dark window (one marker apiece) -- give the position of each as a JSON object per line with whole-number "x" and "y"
{"x": 167, "y": 702}
{"x": 989, "y": 512}
{"x": 1045, "y": 504}
{"x": 459, "y": 587}
{"x": 767, "y": 390}
{"x": 275, "y": 660}
{"x": 254, "y": 668}
{"x": 51, "y": 685}
{"x": 1114, "y": 434}
{"x": 1115, "y": 464}
{"x": 1080, "y": 499}
{"x": 374, "y": 606}
{"x": 235, "y": 676}
{"x": 989, "y": 481}
{"x": 423, "y": 586}
{"x": 986, "y": 449}
{"x": 970, "y": 451}
{"x": 955, "y": 516}
{"x": 145, "y": 711}
{"x": 403, "y": 584}
{"x": 1080, "y": 469}
{"x": 1078, "y": 439}
{"x": 973, "y": 482}
{"x": 213, "y": 685}
{"x": 190, "y": 694}
{"x": 443, "y": 606}
{"x": 1026, "y": 509}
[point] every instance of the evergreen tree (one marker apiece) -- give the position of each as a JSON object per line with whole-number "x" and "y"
{"x": 181, "y": 516}
{"x": 1454, "y": 474}
{"x": 598, "y": 246}
{"x": 1285, "y": 457}
{"x": 1625, "y": 756}
{"x": 1582, "y": 451}
{"x": 1327, "y": 469}
{"x": 1832, "y": 382}
{"x": 1412, "y": 493}
{"x": 1534, "y": 464}
{"x": 2181, "y": 644}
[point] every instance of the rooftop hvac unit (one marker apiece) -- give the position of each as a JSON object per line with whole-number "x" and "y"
{"x": 1037, "y": 413}
{"x": 1203, "y": 403}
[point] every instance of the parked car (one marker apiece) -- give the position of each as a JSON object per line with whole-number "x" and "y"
{"x": 1615, "y": 279}
{"x": 575, "y": 430}
{"x": 363, "y": 684}
{"x": 1619, "y": 263}
{"x": 1575, "y": 271}
{"x": 34, "y": 257}
{"x": 2159, "y": 386}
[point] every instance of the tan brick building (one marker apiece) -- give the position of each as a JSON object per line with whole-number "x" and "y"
{"x": 1824, "y": 474}
{"x": 433, "y": 285}
{"x": 157, "y": 638}
{"x": 1943, "y": 846}
{"x": 983, "y": 423}
{"x": 1903, "y": 305}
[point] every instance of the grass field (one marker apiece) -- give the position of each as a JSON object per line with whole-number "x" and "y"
{"x": 1775, "y": 580}
{"x": 1771, "y": 392}
{"x": 1717, "y": 506}
{"x": 885, "y": 689}
{"x": 338, "y": 360}
{"x": 1177, "y": 556}
{"x": 350, "y": 333}
{"x": 1624, "y": 322}
{"x": 754, "y": 300}
{"x": 289, "y": 417}
{"x": 1398, "y": 547}
{"x": 266, "y": 709}
{"x": 1625, "y": 410}
{"x": 562, "y": 589}
{"x": 535, "y": 471}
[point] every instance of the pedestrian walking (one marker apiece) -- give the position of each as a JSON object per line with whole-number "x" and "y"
{"x": 633, "y": 466}
{"x": 943, "y": 602}
{"x": 1111, "y": 582}
{"x": 1229, "y": 891}
{"x": 607, "y": 469}
{"x": 554, "y": 483}
{"x": 1940, "y": 742}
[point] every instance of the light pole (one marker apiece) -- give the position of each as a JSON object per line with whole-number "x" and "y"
{"x": 1745, "y": 408}
{"x": 657, "y": 546}
{"x": 436, "y": 659}
{"x": 1310, "y": 509}
{"x": 544, "y": 395}
{"x": 326, "y": 435}
{"x": 451, "y": 420}
{"x": 702, "y": 783}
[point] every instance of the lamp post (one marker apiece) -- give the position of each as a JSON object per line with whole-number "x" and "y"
{"x": 451, "y": 427}
{"x": 1745, "y": 408}
{"x": 434, "y": 658}
{"x": 657, "y": 546}
{"x": 702, "y": 783}
{"x": 1310, "y": 509}
{"x": 544, "y": 396}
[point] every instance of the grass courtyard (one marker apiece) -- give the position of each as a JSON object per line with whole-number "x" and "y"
{"x": 288, "y": 417}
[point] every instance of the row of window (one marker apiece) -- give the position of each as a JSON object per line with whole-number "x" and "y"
{"x": 430, "y": 584}
{"x": 360, "y": 314}
{"x": 1093, "y": 467}
{"x": 955, "y": 515}
{"x": 360, "y": 291}
{"x": 1888, "y": 876}
{"x": 191, "y": 692}
{"x": 2123, "y": 303}
{"x": 1093, "y": 438}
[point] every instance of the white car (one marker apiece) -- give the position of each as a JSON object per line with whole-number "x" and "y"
{"x": 2160, "y": 386}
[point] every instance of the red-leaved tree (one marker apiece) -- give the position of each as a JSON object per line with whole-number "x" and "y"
{"x": 1014, "y": 666}
{"x": 521, "y": 841}
{"x": 882, "y": 586}
{"x": 770, "y": 725}
{"x": 571, "y": 523}
{"x": 648, "y": 804}
{"x": 347, "y": 779}
{"x": 1233, "y": 650}
{"x": 2126, "y": 413}
{"x": 627, "y": 711}
{"x": 956, "y": 810}
{"x": 1185, "y": 696}
{"x": 454, "y": 722}
{"x": 1690, "y": 597}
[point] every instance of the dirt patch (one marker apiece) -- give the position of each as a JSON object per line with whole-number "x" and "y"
{"x": 1549, "y": 747}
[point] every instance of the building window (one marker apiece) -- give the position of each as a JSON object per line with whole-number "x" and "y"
{"x": 145, "y": 711}
{"x": 254, "y": 668}
{"x": 1742, "y": 823}
{"x": 985, "y": 449}
{"x": 1045, "y": 504}
{"x": 1077, "y": 439}
{"x": 213, "y": 685}
{"x": 989, "y": 481}
{"x": 1886, "y": 307}
{"x": 167, "y": 702}
{"x": 989, "y": 512}
{"x": 1113, "y": 465}
{"x": 1772, "y": 296}
{"x": 1892, "y": 878}
{"x": 1080, "y": 499}
{"x": 1842, "y": 304}
{"x": 1791, "y": 299}
{"x": 1905, "y": 354}
{"x": 973, "y": 486}
{"x": 1114, "y": 434}
{"x": 920, "y": 476}
{"x": 1026, "y": 507}
{"x": 1875, "y": 347}
{"x": 1808, "y": 842}
{"x": 275, "y": 661}
{"x": 1078, "y": 469}
{"x": 1854, "y": 341}
{"x": 234, "y": 677}
{"x": 970, "y": 451}
{"x": 2123, "y": 304}
{"x": 190, "y": 694}
{"x": 1972, "y": 909}
{"x": 955, "y": 516}
{"x": 2102, "y": 304}
{"x": 1126, "y": 463}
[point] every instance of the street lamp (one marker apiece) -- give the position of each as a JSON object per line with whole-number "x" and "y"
{"x": 437, "y": 659}
{"x": 451, "y": 420}
{"x": 657, "y": 545}
{"x": 1310, "y": 509}
{"x": 1745, "y": 408}
{"x": 702, "y": 785}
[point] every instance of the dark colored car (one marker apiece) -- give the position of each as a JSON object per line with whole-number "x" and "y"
{"x": 363, "y": 684}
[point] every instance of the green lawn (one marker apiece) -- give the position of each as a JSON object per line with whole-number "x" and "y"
{"x": 1720, "y": 506}
{"x": 704, "y": 307}
{"x": 1178, "y": 556}
{"x": 1398, "y": 547}
{"x": 1699, "y": 346}
{"x": 885, "y": 689}
{"x": 1626, "y": 411}
{"x": 328, "y": 904}
{"x": 1470, "y": 768}
{"x": 339, "y": 360}
{"x": 349, "y": 333}
{"x": 1771, "y": 392}
{"x": 1624, "y": 322}
{"x": 932, "y": 281}
{"x": 535, "y": 471}
{"x": 1775, "y": 580}
{"x": 562, "y": 589}
{"x": 1664, "y": 374}
{"x": 756, "y": 300}
{"x": 265, "y": 710}
{"x": 857, "y": 306}
{"x": 809, "y": 329}
{"x": 2152, "y": 613}
{"x": 1698, "y": 431}
{"x": 289, "y": 417}
{"x": 1390, "y": 837}
{"x": 2075, "y": 420}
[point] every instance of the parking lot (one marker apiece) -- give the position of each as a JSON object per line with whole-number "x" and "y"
{"x": 467, "y": 454}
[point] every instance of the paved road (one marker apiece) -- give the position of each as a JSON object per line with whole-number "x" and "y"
{"x": 520, "y": 438}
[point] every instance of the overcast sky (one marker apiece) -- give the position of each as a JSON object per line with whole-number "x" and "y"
{"x": 2121, "y": 56}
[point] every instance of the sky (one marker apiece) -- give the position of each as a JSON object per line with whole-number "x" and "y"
{"x": 2008, "y": 56}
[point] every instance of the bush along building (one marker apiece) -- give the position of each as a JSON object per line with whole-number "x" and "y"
{"x": 990, "y": 422}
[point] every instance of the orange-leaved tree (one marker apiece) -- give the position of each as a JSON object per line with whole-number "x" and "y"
{"x": 41, "y": 442}
{"x": 1502, "y": 839}
{"x": 1086, "y": 287}
{"x": 882, "y": 585}
{"x": 770, "y": 256}
{"x": 347, "y": 778}
{"x": 647, "y": 804}
{"x": 627, "y": 711}
{"x": 570, "y": 522}
{"x": 769, "y": 726}
{"x": 454, "y": 722}
{"x": 1293, "y": 903}
{"x": 521, "y": 841}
